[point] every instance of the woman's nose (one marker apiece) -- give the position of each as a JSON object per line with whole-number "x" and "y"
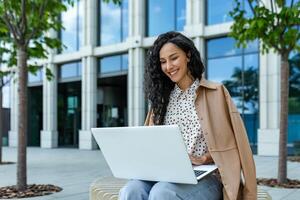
{"x": 169, "y": 65}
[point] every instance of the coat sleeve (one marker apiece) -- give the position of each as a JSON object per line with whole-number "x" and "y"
{"x": 245, "y": 153}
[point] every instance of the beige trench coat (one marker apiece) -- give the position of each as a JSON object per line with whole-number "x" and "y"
{"x": 227, "y": 140}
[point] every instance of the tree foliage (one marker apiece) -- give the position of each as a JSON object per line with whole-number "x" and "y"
{"x": 276, "y": 24}
{"x": 277, "y": 27}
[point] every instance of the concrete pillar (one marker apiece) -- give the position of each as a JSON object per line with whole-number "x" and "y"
{"x": 49, "y": 134}
{"x": 89, "y": 103}
{"x": 89, "y": 77}
{"x": 269, "y": 104}
{"x": 136, "y": 100}
{"x": 136, "y": 56}
{"x": 195, "y": 18}
{"x": 13, "y": 132}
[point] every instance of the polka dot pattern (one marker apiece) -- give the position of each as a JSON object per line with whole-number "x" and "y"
{"x": 181, "y": 111}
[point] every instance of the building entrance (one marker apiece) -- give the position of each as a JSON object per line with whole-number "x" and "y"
{"x": 112, "y": 101}
{"x": 35, "y": 115}
{"x": 69, "y": 113}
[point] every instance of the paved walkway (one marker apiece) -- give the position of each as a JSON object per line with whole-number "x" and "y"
{"x": 74, "y": 170}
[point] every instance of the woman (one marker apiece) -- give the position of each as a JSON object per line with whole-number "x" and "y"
{"x": 209, "y": 121}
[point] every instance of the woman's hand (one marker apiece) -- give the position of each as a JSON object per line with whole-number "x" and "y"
{"x": 205, "y": 159}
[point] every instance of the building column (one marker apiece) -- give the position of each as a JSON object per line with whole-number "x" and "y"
{"x": 136, "y": 59}
{"x": 49, "y": 134}
{"x": 89, "y": 77}
{"x": 195, "y": 18}
{"x": 136, "y": 99}
{"x": 89, "y": 103}
{"x": 13, "y": 132}
{"x": 269, "y": 105}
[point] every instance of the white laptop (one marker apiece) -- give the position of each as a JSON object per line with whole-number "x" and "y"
{"x": 154, "y": 153}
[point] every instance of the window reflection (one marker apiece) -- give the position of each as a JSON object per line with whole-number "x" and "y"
{"x": 71, "y": 35}
{"x": 294, "y": 98}
{"x": 169, "y": 14}
{"x": 237, "y": 69}
{"x": 216, "y": 47}
{"x": 113, "y": 22}
{"x": 70, "y": 70}
{"x": 115, "y": 63}
{"x": 217, "y": 11}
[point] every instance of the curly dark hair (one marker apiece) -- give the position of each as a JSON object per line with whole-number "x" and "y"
{"x": 158, "y": 86}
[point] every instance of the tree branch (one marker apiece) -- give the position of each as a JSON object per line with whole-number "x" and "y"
{"x": 11, "y": 28}
{"x": 23, "y": 18}
{"x": 292, "y": 3}
{"x": 3, "y": 83}
{"x": 251, "y": 6}
{"x": 41, "y": 13}
{"x": 8, "y": 19}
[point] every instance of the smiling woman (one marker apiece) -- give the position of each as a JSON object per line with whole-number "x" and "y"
{"x": 210, "y": 124}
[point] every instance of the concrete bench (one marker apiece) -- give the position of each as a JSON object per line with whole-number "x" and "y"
{"x": 107, "y": 188}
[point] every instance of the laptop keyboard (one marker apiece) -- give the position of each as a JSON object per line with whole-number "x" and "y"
{"x": 198, "y": 172}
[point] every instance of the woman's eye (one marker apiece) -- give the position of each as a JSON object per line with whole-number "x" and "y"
{"x": 174, "y": 58}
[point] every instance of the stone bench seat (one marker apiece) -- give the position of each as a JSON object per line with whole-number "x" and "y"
{"x": 107, "y": 188}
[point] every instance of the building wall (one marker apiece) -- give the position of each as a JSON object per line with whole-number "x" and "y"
{"x": 95, "y": 31}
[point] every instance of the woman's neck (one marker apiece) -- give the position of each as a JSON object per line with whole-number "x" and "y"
{"x": 185, "y": 83}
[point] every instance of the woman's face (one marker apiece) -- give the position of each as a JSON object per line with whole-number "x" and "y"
{"x": 174, "y": 64}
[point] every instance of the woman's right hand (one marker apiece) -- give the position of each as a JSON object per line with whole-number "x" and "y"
{"x": 200, "y": 160}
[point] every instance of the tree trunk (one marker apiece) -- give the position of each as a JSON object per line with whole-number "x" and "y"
{"x": 284, "y": 95}
{"x": 22, "y": 118}
{"x": 1, "y": 114}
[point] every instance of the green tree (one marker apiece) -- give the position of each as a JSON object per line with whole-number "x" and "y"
{"x": 276, "y": 25}
{"x": 28, "y": 22}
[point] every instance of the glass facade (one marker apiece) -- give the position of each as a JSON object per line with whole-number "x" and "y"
{"x": 217, "y": 11}
{"x": 69, "y": 70}
{"x": 238, "y": 70}
{"x": 35, "y": 115}
{"x": 71, "y": 35}
{"x": 163, "y": 16}
{"x": 111, "y": 64}
{"x": 294, "y": 98}
{"x": 113, "y": 23}
{"x": 69, "y": 113}
{"x": 112, "y": 101}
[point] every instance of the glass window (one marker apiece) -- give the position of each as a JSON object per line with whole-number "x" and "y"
{"x": 294, "y": 98}
{"x": 113, "y": 22}
{"x": 169, "y": 14}
{"x": 38, "y": 77}
{"x": 71, "y": 35}
{"x": 217, "y": 11}
{"x": 70, "y": 70}
{"x": 125, "y": 62}
{"x": 237, "y": 69}
{"x": 180, "y": 14}
{"x": 115, "y": 63}
{"x": 221, "y": 47}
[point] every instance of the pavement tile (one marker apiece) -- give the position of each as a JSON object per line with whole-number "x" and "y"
{"x": 74, "y": 170}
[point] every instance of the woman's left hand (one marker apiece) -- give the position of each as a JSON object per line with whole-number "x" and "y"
{"x": 205, "y": 159}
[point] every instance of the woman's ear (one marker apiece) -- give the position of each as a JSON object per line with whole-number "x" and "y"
{"x": 188, "y": 56}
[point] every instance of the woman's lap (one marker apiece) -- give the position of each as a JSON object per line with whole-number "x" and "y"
{"x": 208, "y": 188}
